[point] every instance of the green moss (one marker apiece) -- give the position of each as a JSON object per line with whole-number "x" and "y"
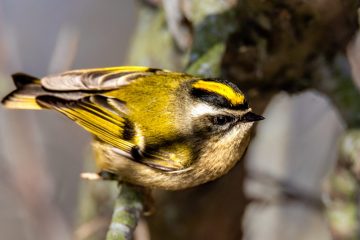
{"x": 212, "y": 30}
{"x": 208, "y": 64}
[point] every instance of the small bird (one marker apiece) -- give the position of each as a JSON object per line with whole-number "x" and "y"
{"x": 151, "y": 127}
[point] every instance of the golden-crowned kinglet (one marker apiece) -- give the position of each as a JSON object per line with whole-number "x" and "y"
{"x": 151, "y": 127}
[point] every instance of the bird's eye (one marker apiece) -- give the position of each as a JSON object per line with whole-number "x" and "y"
{"x": 222, "y": 120}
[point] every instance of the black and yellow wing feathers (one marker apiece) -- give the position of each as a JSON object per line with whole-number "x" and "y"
{"x": 104, "y": 121}
{"x": 104, "y": 118}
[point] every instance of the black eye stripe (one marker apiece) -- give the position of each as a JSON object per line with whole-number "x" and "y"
{"x": 217, "y": 100}
{"x": 222, "y": 119}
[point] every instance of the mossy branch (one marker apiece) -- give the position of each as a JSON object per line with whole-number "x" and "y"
{"x": 127, "y": 212}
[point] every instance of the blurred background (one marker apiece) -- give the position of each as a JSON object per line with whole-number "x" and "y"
{"x": 296, "y": 60}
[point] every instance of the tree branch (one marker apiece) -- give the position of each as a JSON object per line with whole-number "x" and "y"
{"x": 127, "y": 212}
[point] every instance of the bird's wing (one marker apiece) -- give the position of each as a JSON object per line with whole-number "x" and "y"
{"x": 101, "y": 116}
{"x": 106, "y": 118}
{"x": 96, "y": 79}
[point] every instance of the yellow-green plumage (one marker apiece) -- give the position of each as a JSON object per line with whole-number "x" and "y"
{"x": 151, "y": 112}
{"x": 152, "y": 127}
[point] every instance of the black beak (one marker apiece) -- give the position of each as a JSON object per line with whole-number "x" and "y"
{"x": 251, "y": 117}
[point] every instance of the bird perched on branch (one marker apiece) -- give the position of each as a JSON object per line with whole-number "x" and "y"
{"x": 151, "y": 127}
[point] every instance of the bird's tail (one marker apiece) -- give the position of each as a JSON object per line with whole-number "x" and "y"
{"x": 24, "y": 97}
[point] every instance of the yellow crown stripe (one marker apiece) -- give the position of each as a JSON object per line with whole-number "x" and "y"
{"x": 219, "y": 88}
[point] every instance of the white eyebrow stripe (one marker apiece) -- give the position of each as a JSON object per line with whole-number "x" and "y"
{"x": 202, "y": 109}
